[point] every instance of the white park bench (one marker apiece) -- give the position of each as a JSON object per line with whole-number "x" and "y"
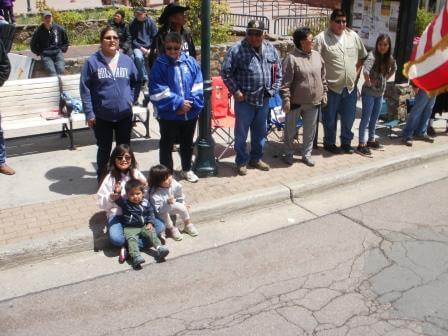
{"x": 36, "y": 103}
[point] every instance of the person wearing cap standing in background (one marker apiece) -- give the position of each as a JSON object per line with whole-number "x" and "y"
{"x": 143, "y": 31}
{"x": 5, "y": 69}
{"x": 343, "y": 53}
{"x": 7, "y": 11}
{"x": 252, "y": 72}
{"x": 173, "y": 19}
{"x": 50, "y": 41}
{"x": 122, "y": 28}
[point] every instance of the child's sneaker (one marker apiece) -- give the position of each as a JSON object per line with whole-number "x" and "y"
{"x": 123, "y": 255}
{"x": 137, "y": 261}
{"x": 162, "y": 252}
{"x": 175, "y": 234}
{"x": 191, "y": 230}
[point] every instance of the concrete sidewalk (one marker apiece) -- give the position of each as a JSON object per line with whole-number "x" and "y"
{"x": 48, "y": 207}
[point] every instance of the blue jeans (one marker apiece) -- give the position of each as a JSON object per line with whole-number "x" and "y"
{"x": 418, "y": 118}
{"x": 254, "y": 118}
{"x": 371, "y": 107}
{"x": 2, "y": 145}
{"x": 345, "y": 105}
{"x": 55, "y": 65}
{"x": 116, "y": 234}
{"x": 141, "y": 65}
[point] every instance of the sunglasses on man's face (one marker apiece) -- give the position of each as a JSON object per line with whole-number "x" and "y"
{"x": 109, "y": 38}
{"x": 340, "y": 21}
{"x": 172, "y": 48}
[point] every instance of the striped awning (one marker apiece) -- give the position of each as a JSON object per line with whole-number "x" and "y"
{"x": 428, "y": 66}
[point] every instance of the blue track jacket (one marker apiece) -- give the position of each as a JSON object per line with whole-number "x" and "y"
{"x": 171, "y": 82}
{"x": 106, "y": 95}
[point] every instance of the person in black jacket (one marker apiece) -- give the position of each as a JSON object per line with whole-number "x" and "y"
{"x": 5, "y": 69}
{"x": 50, "y": 41}
{"x": 122, "y": 28}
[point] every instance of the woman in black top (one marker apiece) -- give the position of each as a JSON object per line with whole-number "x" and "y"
{"x": 173, "y": 19}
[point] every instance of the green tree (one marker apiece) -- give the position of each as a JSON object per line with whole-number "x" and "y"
{"x": 220, "y": 32}
{"x": 424, "y": 18}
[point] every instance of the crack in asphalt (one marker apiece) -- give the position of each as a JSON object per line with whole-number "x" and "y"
{"x": 348, "y": 288}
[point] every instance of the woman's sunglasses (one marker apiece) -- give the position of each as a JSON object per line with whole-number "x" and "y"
{"x": 123, "y": 157}
{"x": 109, "y": 38}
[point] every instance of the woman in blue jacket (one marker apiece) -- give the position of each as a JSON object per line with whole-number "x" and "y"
{"x": 176, "y": 91}
{"x": 107, "y": 87}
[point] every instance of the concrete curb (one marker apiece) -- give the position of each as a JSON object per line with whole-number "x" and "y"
{"x": 319, "y": 184}
{"x": 86, "y": 239}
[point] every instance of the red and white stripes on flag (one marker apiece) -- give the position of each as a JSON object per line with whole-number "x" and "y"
{"x": 428, "y": 66}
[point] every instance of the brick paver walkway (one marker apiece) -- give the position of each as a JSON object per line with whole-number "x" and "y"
{"x": 31, "y": 222}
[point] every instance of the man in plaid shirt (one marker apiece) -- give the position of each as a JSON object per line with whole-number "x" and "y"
{"x": 251, "y": 70}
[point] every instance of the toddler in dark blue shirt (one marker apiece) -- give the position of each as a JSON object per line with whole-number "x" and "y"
{"x": 138, "y": 221}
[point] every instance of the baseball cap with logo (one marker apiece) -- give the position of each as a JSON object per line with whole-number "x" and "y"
{"x": 255, "y": 25}
{"x": 139, "y": 10}
{"x": 46, "y": 13}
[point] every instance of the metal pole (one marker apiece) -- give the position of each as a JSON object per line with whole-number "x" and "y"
{"x": 205, "y": 164}
{"x": 405, "y": 36}
{"x": 28, "y": 2}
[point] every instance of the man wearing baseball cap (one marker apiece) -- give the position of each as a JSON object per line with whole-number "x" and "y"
{"x": 50, "y": 41}
{"x": 252, "y": 72}
{"x": 143, "y": 31}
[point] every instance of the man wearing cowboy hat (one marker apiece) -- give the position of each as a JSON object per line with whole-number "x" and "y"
{"x": 173, "y": 19}
{"x": 252, "y": 72}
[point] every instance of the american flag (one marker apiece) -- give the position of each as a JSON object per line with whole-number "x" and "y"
{"x": 428, "y": 66}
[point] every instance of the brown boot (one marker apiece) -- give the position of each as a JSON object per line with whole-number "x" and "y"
{"x": 7, "y": 170}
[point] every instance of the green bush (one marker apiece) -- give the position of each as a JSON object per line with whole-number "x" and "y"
{"x": 423, "y": 19}
{"x": 220, "y": 32}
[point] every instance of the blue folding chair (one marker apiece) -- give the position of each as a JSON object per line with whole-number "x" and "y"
{"x": 277, "y": 117}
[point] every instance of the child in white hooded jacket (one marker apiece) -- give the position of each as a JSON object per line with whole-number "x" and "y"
{"x": 167, "y": 197}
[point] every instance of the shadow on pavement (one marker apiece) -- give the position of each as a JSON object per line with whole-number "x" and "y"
{"x": 72, "y": 180}
{"x": 97, "y": 225}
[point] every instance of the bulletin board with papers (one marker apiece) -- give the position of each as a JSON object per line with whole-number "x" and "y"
{"x": 370, "y": 18}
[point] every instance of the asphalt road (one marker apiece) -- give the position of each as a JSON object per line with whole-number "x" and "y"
{"x": 379, "y": 268}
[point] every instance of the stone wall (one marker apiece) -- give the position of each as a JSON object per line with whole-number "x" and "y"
{"x": 396, "y": 96}
{"x": 24, "y": 33}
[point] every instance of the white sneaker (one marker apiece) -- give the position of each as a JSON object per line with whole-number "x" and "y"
{"x": 175, "y": 234}
{"x": 190, "y": 176}
{"x": 191, "y": 230}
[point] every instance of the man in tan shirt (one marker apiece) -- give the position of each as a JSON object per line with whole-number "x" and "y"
{"x": 343, "y": 52}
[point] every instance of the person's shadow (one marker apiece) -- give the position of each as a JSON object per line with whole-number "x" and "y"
{"x": 71, "y": 180}
{"x": 97, "y": 225}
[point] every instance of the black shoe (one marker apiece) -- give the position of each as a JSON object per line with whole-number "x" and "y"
{"x": 347, "y": 149}
{"x": 137, "y": 262}
{"x": 374, "y": 145}
{"x": 308, "y": 161}
{"x": 162, "y": 252}
{"x": 431, "y": 131}
{"x": 424, "y": 137}
{"x": 364, "y": 151}
{"x": 333, "y": 149}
